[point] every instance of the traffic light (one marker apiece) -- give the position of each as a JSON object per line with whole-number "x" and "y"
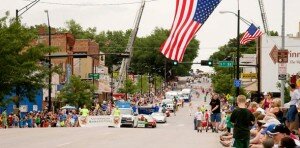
{"x": 175, "y": 63}
{"x": 206, "y": 63}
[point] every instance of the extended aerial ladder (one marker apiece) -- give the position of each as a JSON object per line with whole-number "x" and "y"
{"x": 129, "y": 48}
{"x": 263, "y": 16}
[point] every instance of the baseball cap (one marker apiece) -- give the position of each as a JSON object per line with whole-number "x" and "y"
{"x": 268, "y": 129}
{"x": 279, "y": 129}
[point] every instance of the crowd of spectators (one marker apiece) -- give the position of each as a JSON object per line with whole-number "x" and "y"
{"x": 266, "y": 124}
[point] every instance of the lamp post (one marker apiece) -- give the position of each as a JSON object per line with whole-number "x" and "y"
{"x": 238, "y": 44}
{"x": 49, "y": 66}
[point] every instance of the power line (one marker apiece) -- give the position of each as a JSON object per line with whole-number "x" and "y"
{"x": 85, "y": 5}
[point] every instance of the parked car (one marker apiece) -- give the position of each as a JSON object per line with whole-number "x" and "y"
{"x": 159, "y": 117}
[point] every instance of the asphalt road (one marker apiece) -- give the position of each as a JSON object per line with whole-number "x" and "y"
{"x": 176, "y": 133}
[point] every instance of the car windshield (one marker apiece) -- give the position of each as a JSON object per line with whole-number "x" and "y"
{"x": 126, "y": 111}
{"x": 167, "y": 101}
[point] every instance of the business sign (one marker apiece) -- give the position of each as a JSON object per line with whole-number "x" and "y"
{"x": 249, "y": 76}
{"x": 271, "y": 71}
{"x": 248, "y": 59}
{"x": 24, "y": 108}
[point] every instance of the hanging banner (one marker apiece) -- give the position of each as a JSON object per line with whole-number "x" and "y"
{"x": 97, "y": 121}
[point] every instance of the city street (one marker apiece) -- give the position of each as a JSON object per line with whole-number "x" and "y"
{"x": 176, "y": 133}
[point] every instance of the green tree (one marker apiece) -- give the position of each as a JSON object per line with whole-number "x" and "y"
{"x": 146, "y": 49}
{"x": 128, "y": 87}
{"x": 21, "y": 75}
{"x": 77, "y": 92}
{"x": 142, "y": 84}
{"x": 223, "y": 79}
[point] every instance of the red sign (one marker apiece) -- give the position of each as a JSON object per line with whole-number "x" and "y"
{"x": 283, "y": 56}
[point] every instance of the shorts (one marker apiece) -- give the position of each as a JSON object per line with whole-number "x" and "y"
{"x": 215, "y": 117}
{"x": 291, "y": 114}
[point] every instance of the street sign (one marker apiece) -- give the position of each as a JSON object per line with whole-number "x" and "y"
{"x": 283, "y": 56}
{"x": 225, "y": 63}
{"x": 249, "y": 76}
{"x": 274, "y": 54}
{"x": 282, "y": 71}
{"x": 94, "y": 75}
{"x": 237, "y": 83}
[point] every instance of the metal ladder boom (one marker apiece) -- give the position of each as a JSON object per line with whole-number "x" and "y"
{"x": 129, "y": 48}
{"x": 263, "y": 16}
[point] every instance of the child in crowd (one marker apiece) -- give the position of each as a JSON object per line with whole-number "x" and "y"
{"x": 242, "y": 119}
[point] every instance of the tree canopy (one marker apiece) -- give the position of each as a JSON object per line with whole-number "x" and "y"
{"x": 223, "y": 79}
{"x": 77, "y": 92}
{"x": 146, "y": 56}
{"x": 22, "y": 75}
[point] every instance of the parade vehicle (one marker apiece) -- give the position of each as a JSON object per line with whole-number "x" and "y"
{"x": 159, "y": 117}
{"x": 128, "y": 117}
{"x": 146, "y": 121}
{"x": 168, "y": 104}
{"x": 186, "y": 94}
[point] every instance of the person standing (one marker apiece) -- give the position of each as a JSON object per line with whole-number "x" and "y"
{"x": 4, "y": 119}
{"x": 242, "y": 120}
{"x": 117, "y": 114}
{"x": 292, "y": 111}
{"x": 84, "y": 114}
{"x": 215, "y": 112}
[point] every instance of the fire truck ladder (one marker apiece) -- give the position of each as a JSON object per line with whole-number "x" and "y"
{"x": 263, "y": 16}
{"x": 129, "y": 48}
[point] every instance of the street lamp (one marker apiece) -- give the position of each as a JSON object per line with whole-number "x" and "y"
{"x": 238, "y": 44}
{"x": 49, "y": 66}
{"x": 241, "y": 18}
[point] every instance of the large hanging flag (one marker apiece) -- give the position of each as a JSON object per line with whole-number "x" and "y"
{"x": 190, "y": 15}
{"x": 251, "y": 34}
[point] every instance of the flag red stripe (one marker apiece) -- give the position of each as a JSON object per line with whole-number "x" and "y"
{"x": 182, "y": 31}
{"x": 177, "y": 21}
{"x": 195, "y": 30}
{"x": 164, "y": 46}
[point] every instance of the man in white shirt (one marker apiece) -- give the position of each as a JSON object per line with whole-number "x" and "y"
{"x": 292, "y": 111}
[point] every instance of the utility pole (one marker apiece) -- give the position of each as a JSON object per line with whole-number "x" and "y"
{"x": 49, "y": 66}
{"x": 282, "y": 48}
{"x": 24, "y": 9}
{"x": 238, "y": 51}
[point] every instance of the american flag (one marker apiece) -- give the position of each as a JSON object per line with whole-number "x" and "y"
{"x": 251, "y": 34}
{"x": 190, "y": 15}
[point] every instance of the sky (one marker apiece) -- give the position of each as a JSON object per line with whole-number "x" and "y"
{"x": 117, "y": 15}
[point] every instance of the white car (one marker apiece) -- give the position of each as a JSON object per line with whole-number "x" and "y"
{"x": 159, "y": 117}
